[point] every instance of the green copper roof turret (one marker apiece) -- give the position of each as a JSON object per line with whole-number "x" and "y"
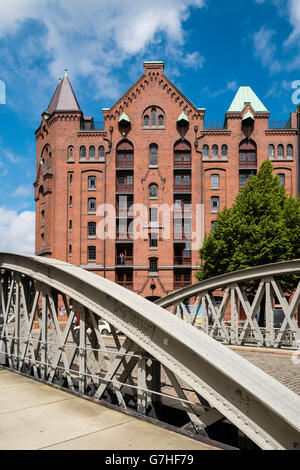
{"x": 183, "y": 117}
{"x": 124, "y": 117}
{"x": 246, "y": 95}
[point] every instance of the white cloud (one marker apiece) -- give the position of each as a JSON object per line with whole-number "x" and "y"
{"x": 90, "y": 38}
{"x": 232, "y": 86}
{"x": 265, "y": 49}
{"x": 23, "y": 191}
{"x": 17, "y": 231}
{"x": 294, "y": 14}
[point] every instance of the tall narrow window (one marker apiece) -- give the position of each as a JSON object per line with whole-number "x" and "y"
{"x": 70, "y": 153}
{"x": 91, "y": 253}
{"x": 160, "y": 120}
{"x": 43, "y": 240}
{"x": 92, "y": 205}
{"x": 146, "y": 120}
{"x": 92, "y": 183}
{"x": 153, "y": 117}
{"x": 215, "y": 204}
{"x": 43, "y": 217}
{"x": 153, "y": 190}
{"x": 153, "y": 265}
{"x": 153, "y": 214}
{"x": 205, "y": 150}
{"x": 70, "y": 250}
{"x": 271, "y": 150}
{"x": 280, "y": 151}
{"x": 82, "y": 152}
{"x": 70, "y": 225}
{"x": 289, "y": 150}
{"x": 92, "y": 153}
{"x": 282, "y": 178}
{"x": 215, "y": 151}
{"x": 101, "y": 152}
{"x": 71, "y": 179}
{"x": 153, "y": 155}
{"x": 71, "y": 201}
{"x": 215, "y": 181}
{"x": 91, "y": 229}
{"x": 224, "y": 151}
{"x": 153, "y": 240}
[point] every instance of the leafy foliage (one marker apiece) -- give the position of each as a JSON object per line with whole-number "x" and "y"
{"x": 262, "y": 227}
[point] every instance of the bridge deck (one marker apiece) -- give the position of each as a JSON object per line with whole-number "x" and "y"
{"x": 37, "y": 416}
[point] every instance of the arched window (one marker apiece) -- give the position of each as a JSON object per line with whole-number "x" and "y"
{"x": 92, "y": 153}
{"x": 215, "y": 151}
{"x": 153, "y": 190}
{"x": 101, "y": 152}
{"x": 280, "y": 150}
{"x": 271, "y": 151}
{"x": 182, "y": 154}
{"x": 224, "y": 150}
{"x": 289, "y": 150}
{"x": 125, "y": 154}
{"x": 46, "y": 155}
{"x": 71, "y": 153}
{"x": 153, "y": 155}
{"x": 205, "y": 150}
{"x": 153, "y": 117}
{"x": 247, "y": 154}
{"x": 82, "y": 152}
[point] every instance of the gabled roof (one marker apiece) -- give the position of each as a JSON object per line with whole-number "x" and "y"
{"x": 244, "y": 95}
{"x": 64, "y": 98}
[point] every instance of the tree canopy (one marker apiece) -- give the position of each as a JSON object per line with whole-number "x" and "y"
{"x": 262, "y": 227}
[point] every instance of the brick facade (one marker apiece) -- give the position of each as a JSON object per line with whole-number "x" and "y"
{"x": 173, "y": 151}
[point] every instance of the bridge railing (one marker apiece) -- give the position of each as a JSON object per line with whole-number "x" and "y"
{"x": 230, "y": 310}
{"x": 159, "y": 367}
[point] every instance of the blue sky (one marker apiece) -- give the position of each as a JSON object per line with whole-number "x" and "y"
{"x": 210, "y": 48}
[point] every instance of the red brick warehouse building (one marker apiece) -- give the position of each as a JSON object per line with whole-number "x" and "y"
{"x": 154, "y": 151}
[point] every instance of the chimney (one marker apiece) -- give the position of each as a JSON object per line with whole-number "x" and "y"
{"x": 154, "y": 66}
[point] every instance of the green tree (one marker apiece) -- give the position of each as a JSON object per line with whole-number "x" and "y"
{"x": 262, "y": 227}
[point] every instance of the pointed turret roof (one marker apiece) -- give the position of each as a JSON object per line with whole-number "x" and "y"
{"x": 64, "y": 98}
{"x": 244, "y": 95}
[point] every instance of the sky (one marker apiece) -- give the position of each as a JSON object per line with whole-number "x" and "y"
{"x": 210, "y": 48}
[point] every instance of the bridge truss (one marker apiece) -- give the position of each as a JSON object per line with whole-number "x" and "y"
{"x": 214, "y": 306}
{"x": 158, "y": 362}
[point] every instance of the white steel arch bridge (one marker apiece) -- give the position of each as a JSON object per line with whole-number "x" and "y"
{"x": 160, "y": 363}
